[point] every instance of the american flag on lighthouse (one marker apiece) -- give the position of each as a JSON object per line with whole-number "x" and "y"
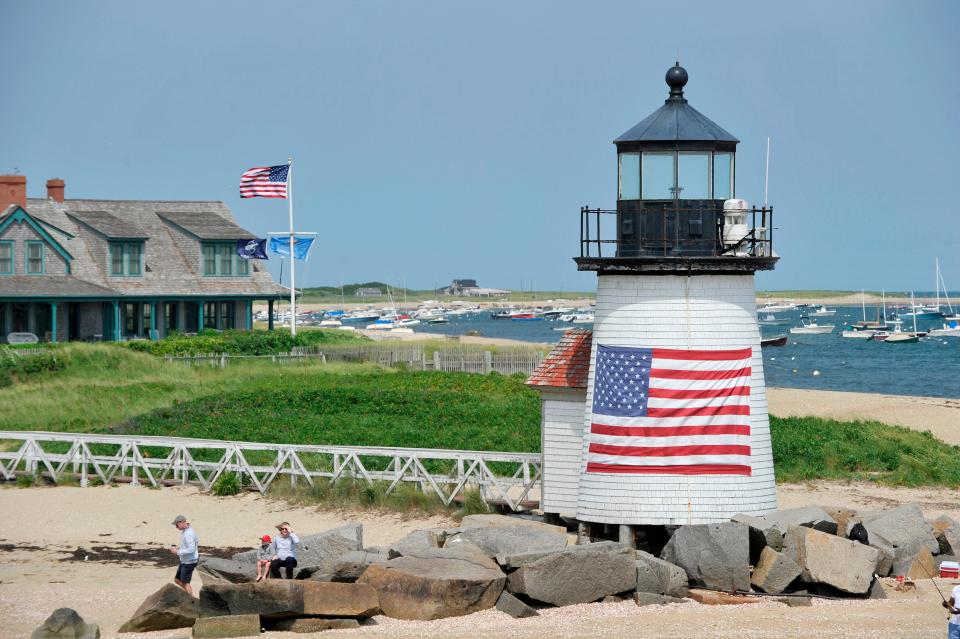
{"x": 265, "y": 181}
{"x": 670, "y": 411}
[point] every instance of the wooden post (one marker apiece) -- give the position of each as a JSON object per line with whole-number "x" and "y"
{"x": 583, "y": 533}
{"x": 626, "y": 535}
{"x": 436, "y": 360}
{"x": 487, "y": 362}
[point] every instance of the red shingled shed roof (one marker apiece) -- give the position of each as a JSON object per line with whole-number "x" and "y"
{"x": 568, "y": 364}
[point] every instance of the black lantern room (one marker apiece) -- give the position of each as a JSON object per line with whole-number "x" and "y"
{"x": 676, "y": 169}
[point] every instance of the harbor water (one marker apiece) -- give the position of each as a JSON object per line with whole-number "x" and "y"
{"x": 930, "y": 367}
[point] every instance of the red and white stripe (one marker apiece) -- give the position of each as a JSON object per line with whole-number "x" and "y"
{"x": 697, "y": 420}
{"x": 256, "y": 183}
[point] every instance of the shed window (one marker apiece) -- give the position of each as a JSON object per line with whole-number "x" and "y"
{"x": 629, "y": 176}
{"x": 693, "y": 176}
{"x": 657, "y": 176}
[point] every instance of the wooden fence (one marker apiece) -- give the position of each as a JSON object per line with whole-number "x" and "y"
{"x": 505, "y": 361}
{"x": 511, "y": 479}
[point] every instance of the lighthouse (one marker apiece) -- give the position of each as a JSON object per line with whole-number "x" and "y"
{"x": 659, "y": 417}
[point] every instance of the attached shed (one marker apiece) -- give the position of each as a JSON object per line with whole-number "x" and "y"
{"x": 562, "y": 382}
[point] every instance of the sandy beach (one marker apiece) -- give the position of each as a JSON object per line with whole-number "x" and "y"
{"x": 97, "y": 549}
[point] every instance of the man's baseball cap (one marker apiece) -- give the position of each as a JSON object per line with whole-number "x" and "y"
{"x": 178, "y": 519}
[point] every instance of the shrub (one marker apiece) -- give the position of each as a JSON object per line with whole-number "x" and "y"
{"x": 241, "y": 342}
{"x": 227, "y": 484}
{"x": 26, "y": 480}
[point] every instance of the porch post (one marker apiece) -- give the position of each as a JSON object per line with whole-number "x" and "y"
{"x": 153, "y": 320}
{"x": 116, "y": 321}
{"x": 270, "y": 314}
{"x": 249, "y": 314}
{"x": 53, "y": 322}
{"x": 200, "y": 325}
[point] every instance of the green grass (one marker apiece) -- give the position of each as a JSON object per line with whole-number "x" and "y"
{"x": 109, "y": 388}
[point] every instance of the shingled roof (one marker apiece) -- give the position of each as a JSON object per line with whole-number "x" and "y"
{"x": 205, "y": 225}
{"x": 108, "y": 225}
{"x": 568, "y": 364}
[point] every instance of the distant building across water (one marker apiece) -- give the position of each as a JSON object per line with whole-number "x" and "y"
{"x": 469, "y": 288}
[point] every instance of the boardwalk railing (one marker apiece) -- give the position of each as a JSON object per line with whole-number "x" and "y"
{"x": 512, "y": 479}
{"x": 457, "y": 359}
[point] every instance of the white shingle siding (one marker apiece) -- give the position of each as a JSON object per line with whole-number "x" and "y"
{"x": 562, "y": 431}
{"x": 670, "y": 311}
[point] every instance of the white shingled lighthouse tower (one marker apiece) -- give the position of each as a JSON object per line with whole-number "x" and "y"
{"x": 675, "y": 427}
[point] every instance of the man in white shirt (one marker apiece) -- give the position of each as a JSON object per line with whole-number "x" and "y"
{"x": 953, "y": 626}
{"x": 187, "y": 551}
{"x": 285, "y": 551}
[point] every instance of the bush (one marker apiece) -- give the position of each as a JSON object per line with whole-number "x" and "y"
{"x": 227, "y": 484}
{"x": 16, "y": 367}
{"x": 27, "y": 480}
{"x": 241, "y": 342}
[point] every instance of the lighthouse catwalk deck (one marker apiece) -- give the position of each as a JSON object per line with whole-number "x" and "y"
{"x": 684, "y": 437}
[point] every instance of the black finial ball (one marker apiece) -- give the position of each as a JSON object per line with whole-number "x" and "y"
{"x": 676, "y": 77}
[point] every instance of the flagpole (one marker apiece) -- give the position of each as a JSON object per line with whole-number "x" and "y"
{"x": 293, "y": 268}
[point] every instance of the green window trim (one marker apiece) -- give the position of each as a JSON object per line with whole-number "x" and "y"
{"x": 220, "y": 259}
{"x": 7, "y": 262}
{"x": 29, "y": 259}
{"x": 126, "y": 259}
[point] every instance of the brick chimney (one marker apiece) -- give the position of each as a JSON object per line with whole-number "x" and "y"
{"x": 13, "y": 190}
{"x": 55, "y": 187}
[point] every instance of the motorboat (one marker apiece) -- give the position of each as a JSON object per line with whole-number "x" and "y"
{"x": 779, "y": 340}
{"x": 330, "y": 323}
{"x": 858, "y": 333}
{"x": 921, "y": 312}
{"x": 526, "y": 317}
{"x": 438, "y": 320}
{"x": 771, "y": 320}
{"x": 360, "y": 316}
{"x": 777, "y": 308}
{"x": 583, "y": 318}
{"x": 902, "y": 338}
{"x": 950, "y": 329}
{"x": 823, "y": 311}
{"x": 811, "y": 328}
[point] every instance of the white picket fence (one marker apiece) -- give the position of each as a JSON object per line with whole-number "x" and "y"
{"x": 159, "y": 461}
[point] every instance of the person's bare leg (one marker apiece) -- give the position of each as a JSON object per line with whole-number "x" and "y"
{"x": 188, "y": 589}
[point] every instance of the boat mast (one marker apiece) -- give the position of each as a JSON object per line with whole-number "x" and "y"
{"x": 914, "y": 314}
{"x": 863, "y": 303}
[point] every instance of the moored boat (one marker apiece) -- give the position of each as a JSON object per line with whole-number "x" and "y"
{"x": 779, "y": 340}
{"x": 811, "y": 328}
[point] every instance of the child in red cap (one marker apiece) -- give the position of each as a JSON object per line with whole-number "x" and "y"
{"x": 264, "y": 553}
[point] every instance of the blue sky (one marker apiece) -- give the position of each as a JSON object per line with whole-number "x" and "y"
{"x": 434, "y": 140}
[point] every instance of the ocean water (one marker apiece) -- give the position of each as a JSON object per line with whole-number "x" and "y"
{"x": 930, "y": 367}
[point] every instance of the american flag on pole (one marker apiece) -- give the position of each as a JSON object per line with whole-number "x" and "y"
{"x": 265, "y": 181}
{"x": 670, "y": 411}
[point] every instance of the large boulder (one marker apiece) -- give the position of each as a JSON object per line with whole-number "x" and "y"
{"x": 514, "y": 607}
{"x": 509, "y": 540}
{"x": 416, "y": 541}
{"x": 350, "y": 566}
{"x": 168, "y": 608}
{"x": 714, "y": 556}
{"x": 217, "y": 569}
{"x": 902, "y": 526}
{"x": 513, "y": 561}
{"x": 947, "y": 531}
{"x": 225, "y": 627}
{"x": 831, "y": 560}
{"x": 773, "y": 526}
{"x": 505, "y": 521}
{"x": 287, "y": 598}
{"x": 66, "y": 623}
{"x": 914, "y": 561}
{"x": 774, "y": 572}
{"x": 319, "y": 552}
{"x": 577, "y": 575}
{"x": 434, "y": 583}
{"x": 660, "y": 577}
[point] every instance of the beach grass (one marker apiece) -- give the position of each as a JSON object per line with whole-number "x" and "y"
{"x": 109, "y": 388}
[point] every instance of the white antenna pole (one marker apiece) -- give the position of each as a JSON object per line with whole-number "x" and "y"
{"x": 766, "y": 178}
{"x": 293, "y": 268}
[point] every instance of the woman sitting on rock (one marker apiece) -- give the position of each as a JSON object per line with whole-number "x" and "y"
{"x": 285, "y": 549}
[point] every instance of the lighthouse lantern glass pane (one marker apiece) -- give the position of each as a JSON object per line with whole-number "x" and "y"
{"x": 693, "y": 174}
{"x": 722, "y": 176}
{"x": 657, "y": 177}
{"x": 629, "y": 176}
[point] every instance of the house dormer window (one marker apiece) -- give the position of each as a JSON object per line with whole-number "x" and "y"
{"x": 6, "y": 257}
{"x": 220, "y": 259}
{"x": 126, "y": 259}
{"x": 35, "y": 258}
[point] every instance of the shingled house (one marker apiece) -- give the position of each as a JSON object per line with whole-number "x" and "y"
{"x": 121, "y": 269}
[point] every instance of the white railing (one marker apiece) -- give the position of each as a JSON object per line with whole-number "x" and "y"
{"x": 159, "y": 461}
